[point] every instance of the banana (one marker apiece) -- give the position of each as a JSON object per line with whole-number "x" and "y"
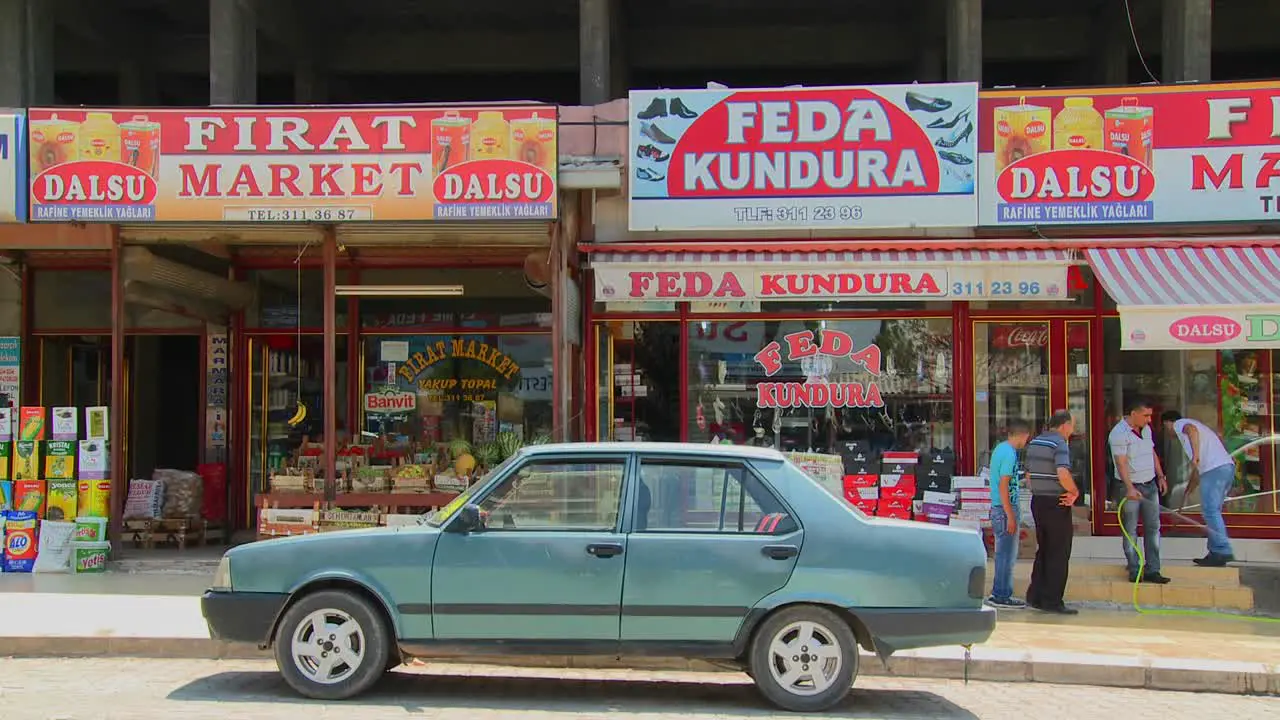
{"x": 299, "y": 416}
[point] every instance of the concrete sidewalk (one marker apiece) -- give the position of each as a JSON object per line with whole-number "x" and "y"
{"x": 158, "y": 616}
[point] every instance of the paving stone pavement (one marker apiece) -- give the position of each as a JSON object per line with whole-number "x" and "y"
{"x": 99, "y": 689}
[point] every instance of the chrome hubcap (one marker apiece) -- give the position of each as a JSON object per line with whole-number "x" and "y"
{"x": 328, "y": 646}
{"x": 805, "y": 658}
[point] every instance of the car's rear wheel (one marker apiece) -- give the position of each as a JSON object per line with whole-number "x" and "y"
{"x": 332, "y": 645}
{"x": 804, "y": 659}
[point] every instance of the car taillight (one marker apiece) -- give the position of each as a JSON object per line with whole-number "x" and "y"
{"x": 978, "y": 582}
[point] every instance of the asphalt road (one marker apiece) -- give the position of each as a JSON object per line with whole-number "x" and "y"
{"x": 90, "y": 689}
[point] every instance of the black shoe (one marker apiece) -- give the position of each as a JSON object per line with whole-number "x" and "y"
{"x": 956, "y": 138}
{"x": 657, "y": 108}
{"x": 679, "y": 109}
{"x": 1059, "y": 610}
{"x": 1214, "y": 560}
{"x": 1155, "y": 579}
{"x": 916, "y": 101}
{"x": 652, "y": 152}
{"x": 940, "y": 124}
{"x": 1133, "y": 576}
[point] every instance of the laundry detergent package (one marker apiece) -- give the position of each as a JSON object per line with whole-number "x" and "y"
{"x": 19, "y": 541}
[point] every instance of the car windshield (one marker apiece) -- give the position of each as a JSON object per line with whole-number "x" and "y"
{"x": 436, "y": 518}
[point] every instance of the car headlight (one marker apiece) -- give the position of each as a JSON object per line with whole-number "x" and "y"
{"x": 222, "y": 576}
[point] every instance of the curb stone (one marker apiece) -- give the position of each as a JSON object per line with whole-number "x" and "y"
{"x": 985, "y": 665}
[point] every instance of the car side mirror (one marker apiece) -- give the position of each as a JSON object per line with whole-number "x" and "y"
{"x": 470, "y": 519}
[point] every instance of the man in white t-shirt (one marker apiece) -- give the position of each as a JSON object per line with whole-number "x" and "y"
{"x": 1134, "y": 449}
{"x": 1215, "y": 471}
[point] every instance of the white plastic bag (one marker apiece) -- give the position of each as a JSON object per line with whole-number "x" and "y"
{"x": 55, "y": 547}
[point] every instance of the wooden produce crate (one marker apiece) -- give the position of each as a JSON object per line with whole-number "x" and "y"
{"x": 180, "y": 532}
{"x": 274, "y": 521}
{"x": 284, "y": 483}
{"x": 332, "y": 519}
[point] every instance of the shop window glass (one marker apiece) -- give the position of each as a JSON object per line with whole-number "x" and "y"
{"x": 468, "y": 387}
{"x": 1231, "y": 391}
{"x": 281, "y": 297}
{"x": 287, "y": 369}
{"x": 710, "y": 498}
{"x": 492, "y": 298}
{"x": 639, "y": 380}
{"x": 71, "y": 299}
{"x": 557, "y": 495}
{"x": 1010, "y": 379}
{"x": 733, "y": 397}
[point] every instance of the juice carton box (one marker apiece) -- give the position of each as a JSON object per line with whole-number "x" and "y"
{"x": 93, "y": 459}
{"x": 29, "y": 496}
{"x": 93, "y": 498}
{"x": 6, "y": 424}
{"x": 96, "y": 424}
{"x": 6, "y": 460}
{"x": 65, "y": 423}
{"x": 60, "y": 460}
{"x": 26, "y": 460}
{"x": 6, "y": 498}
{"x": 62, "y": 502}
{"x": 31, "y": 424}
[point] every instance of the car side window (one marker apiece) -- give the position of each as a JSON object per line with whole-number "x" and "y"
{"x": 675, "y": 496}
{"x": 557, "y": 495}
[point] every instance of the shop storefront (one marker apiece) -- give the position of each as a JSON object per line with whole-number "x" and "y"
{"x": 923, "y": 346}
{"x": 297, "y": 293}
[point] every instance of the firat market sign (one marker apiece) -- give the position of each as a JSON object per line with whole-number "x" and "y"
{"x": 637, "y": 282}
{"x": 816, "y": 354}
{"x": 1196, "y": 153}
{"x": 1191, "y": 329}
{"x": 311, "y": 164}
{"x": 889, "y": 156}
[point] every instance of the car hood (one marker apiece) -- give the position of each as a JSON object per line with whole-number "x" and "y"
{"x": 311, "y": 541}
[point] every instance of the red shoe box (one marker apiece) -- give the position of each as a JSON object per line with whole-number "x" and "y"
{"x": 868, "y": 507}
{"x": 856, "y": 495}
{"x": 900, "y": 509}
{"x": 897, "y": 487}
{"x": 861, "y": 480}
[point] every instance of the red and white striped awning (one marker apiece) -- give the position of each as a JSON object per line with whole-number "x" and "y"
{"x": 1193, "y": 297}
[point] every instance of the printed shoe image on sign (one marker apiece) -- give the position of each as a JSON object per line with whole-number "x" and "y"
{"x": 1077, "y": 186}
{"x": 838, "y": 157}
{"x": 93, "y": 190}
{"x": 497, "y": 189}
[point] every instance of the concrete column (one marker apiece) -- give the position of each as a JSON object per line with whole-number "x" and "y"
{"x": 26, "y": 53}
{"x": 595, "y": 51}
{"x": 619, "y": 70}
{"x": 233, "y": 52}
{"x": 964, "y": 40}
{"x": 931, "y": 55}
{"x": 1188, "y": 40}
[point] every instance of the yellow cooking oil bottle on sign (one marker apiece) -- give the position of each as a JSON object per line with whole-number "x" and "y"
{"x": 99, "y": 137}
{"x": 1020, "y": 130}
{"x": 1078, "y": 126}
{"x": 490, "y": 136}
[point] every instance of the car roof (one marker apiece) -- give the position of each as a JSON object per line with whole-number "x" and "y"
{"x": 659, "y": 448}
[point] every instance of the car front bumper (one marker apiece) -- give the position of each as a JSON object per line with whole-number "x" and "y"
{"x": 894, "y": 629}
{"x": 243, "y": 617}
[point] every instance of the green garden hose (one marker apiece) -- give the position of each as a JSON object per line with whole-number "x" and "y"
{"x": 1137, "y": 583}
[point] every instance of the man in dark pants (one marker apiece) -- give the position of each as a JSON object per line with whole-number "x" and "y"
{"x": 1053, "y": 492}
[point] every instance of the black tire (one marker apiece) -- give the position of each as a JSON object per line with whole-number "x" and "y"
{"x": 372, "y": 647}
{"x": 836, "y": 661}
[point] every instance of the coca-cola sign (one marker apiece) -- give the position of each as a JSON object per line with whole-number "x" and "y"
{"x": 1011, "y": 337}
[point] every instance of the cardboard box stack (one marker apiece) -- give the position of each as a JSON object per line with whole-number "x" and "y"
{"x": 975, "y": 502}
{"x": 861, "y": 479}
{"x": 897, "y": 484}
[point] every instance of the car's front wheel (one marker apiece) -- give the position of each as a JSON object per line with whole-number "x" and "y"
{"x": 804, "y": 659}
{"x": 332, "y": 645}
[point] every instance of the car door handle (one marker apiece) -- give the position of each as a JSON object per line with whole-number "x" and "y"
{"x": 604, "y": 550}
{"x": 780, "y": 552}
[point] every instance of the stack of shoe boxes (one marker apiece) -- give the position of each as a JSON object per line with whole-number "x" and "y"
{"x": 975, "y": 501}
{"x": 897, "y": 484}
{"x": 861, "y": 476}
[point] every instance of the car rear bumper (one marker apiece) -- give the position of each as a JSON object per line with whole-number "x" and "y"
{"x": 241, "y": 616}
{"x": 894, "y": 629}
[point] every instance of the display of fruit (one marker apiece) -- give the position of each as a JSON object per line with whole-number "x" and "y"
{"x": 508, "y": 444}
{"x": 489, "y": 454}
{"x": 459, "y": 447}
{"x": 411, "y": 471}
{"x": 464, "y": 464}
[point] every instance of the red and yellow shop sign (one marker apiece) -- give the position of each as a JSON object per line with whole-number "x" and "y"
{"x": 817, "y": 355}
{"x": 294, "y": 165}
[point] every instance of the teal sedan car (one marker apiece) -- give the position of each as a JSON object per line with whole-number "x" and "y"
{"x": 724, "y": 553}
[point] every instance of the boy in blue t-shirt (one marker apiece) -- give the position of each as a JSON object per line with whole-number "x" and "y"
{"x": 1005, "y": 473}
